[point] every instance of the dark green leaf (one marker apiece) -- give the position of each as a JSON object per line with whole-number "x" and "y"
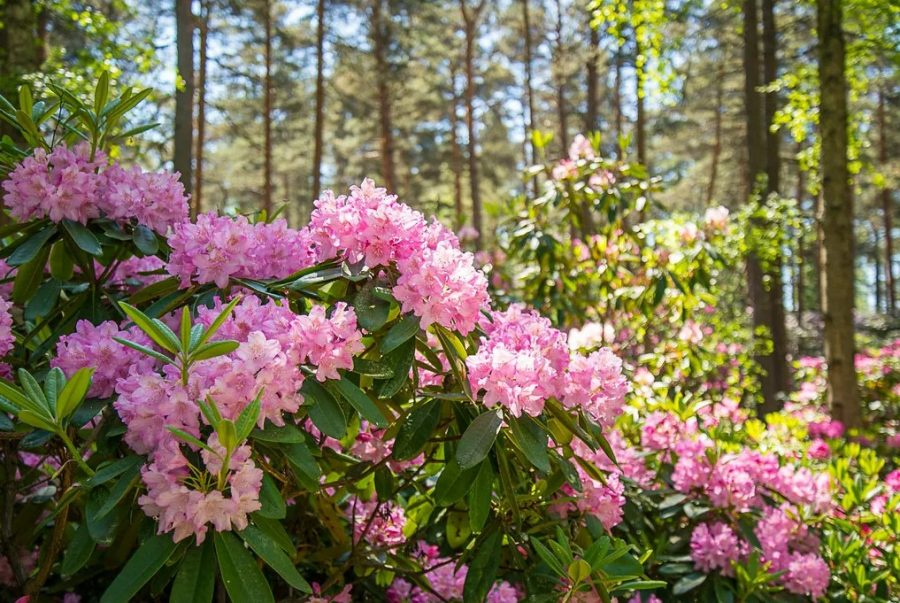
{"x": 142, "y": 566}
{"x": 195, "y": 581}
{"x": 478, "y": 439}
{"x": 480, "y": 497}
{"x": 28, "y": 250}
{"x": 274, "y": 557}
{"x": 109, "y": 471}
{"x": 401, "y": 361}
{"x": 44, "y": 300}
{"x": 242, "y": 577}
{"x": 285, "y": 434}
{"x": 531, "y": 439}
{"x": 145, "y": 240}
{"x": 78, "y": 551}
{"x": 119, "y": 490}
{"x": 483, "y": 568}
{"x": 83, "y": 237}
{"x": 373, "y": 368}
{"x": 323, "y": 409}
{"x": 453, "y": 484}
{"x": 403, "y": 330}
{"x": 270, "y": 498}
{"x": 688, "y": 583}
{"x": 416, "y": 429}
{"x": 359, "y": 400}
{"x": 29, "y": 276}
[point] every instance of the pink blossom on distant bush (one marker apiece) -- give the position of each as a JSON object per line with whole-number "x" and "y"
{"x": 378, "y": 524}
{"x": 134, "y": 269}
{"x": 818, "y": 450}
{"x": 7, "y": 337}
{"x": 61, "y": 184}
{"x": 94, "y": 346}
{"x": 892, "y": 480}
{"x": 807, "y": 574}
{"x": 715, "y": 546}
{"x": 596, "y": 385}
{"x": 826, "y": 429}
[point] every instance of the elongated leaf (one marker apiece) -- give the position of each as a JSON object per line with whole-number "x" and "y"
{"x": 274, "y": 557}
{"x": 324, "y": 410}
{"x": 373, "y": 368}
{"x": 483, "y": 568}
{"x": 195, "y": 581}
{"x": 359, "y": 400}
{"x": 73, "y": 393}
{"x": 688, "y": 583}
{"x": 83, "y": 237}
{"x": 214, "y": 349}
{"x": 151, "y": 328}
{"x": 29, "y": 277}
{"x": 31, "y": 387}
{"x": 111, "y": 470}
{"x": 531, "y": 439}
{"x": 62, "y": 266}
{"x": 246, "y": 421}
{"x": 78, "y": 551}
{"x": 480, "y": 497}
{"x": 401, "y": 361}
{"x": 28, "y": 250}
{"x": 402, "y": 331}
{"x": 271, "y": 500}
{"x": 478, "y": 439}
{"x": 276, "y": 532}
{"x": 142, "y": 566}
{"x": 242, "y": 577}
{"x": 453, "y": 484}
{"x": 53, "y": 383}
{"x": 145, "y": 350}
{"x": 307, "y": 469}
{"x": 13, "y": 394}
{"x": 285, "y": 434}
{"x": 219, "y": 320}
{"x": 145, "y": 240}
{"x": 415, "y": 431}
{"x": 119, "y": 490}
{"x": 188, "y": 438}
{"x": 44, "y": 300}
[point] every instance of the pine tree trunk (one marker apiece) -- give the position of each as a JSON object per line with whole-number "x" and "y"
{"x": 197, "y": 204}
{"x": 320, "y": 99}
{"x": 22, "y": 50}
{"x": 640, "y": 136}
{"x": 380, "y": 38}
{"x": 592, "y": 117}
{"x": 184, "y": 98}
{"x": 617, "y": 100}
{"x": 886, "y": 212}
{"x": 775, "y": 289}
{"x": 470, "y": 21}
{"x": 717, "y": 128}
{"x": 455, "y": 152}
{"x": 836, "y": 218}
{"x": 801, "y": 251}
{"x": 267, "y": 110}
{"x": 558, "y": 59}
{"x": 876, "y": 261}
{"x": 529, "y": 92}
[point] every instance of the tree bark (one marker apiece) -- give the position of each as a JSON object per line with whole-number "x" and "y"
{"x": 184, "y": 98}
{"x": 617, "y": 100}
{"x": 531, "y": 159}
{"x": 640, "y": 134}
{"x": 876, "y": 261}
{"x": 320, "y": 99}
{"x": 558, "y": 59}
{"x": 455, "y": 151}
{"x": 22, "y": 50}
{"x": 801, "y": 250}
{"x": 267, "y": 110}
{"x": 592, "y": 116}
{"x": 775, "y": 290}
{"x": 380, "y": 40}
{"x": 197, "y": 204}
{"x": 717, "y": 142}
{"x": 470, "y": 22}
{"x": 837, "y": 218}
{"x": 886, "y": 212}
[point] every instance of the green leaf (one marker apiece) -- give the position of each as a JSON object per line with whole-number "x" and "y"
{"x": 478, "y": 439}
{"x": 242, "y": 577}
{"x": 53, "y": 383}
{"x": 142, "y": 566}
{"x": 214, "y": 349}
{"x": 483, "y": 567}
{"x": 62, "y": 266}
{"x": 246, "y": 421}
{"x": 83, "y": 237}
{"x": 276, "y": 532}
{"x": 371, "y": 312}
{"x": 151, "y": 328}
{"x": 219, "y": 321}
{"x": 119, "y": 490}
{"x": 79, "y": 550}
{"x": 688, "y": 583}
{"x": 531, "y": 439}
{"x": 640, "y": 585}
{"x": 415, "y": 431}
{"x": 361, "y": 402}
{"x": 372, "y": 368}
{"x": 145, "y": 350}
{"x": 453, "y": 484}
{"x": 111, "y": 470}
{"x": 33, "y": 389}
{"x": 44, "y": 300}
{"x": 188, "y": 438}
{"x": 14, "y": 394}
{"x": 480, "y": 497}
{"x": 300, "y": 458}
{"x": 285, "y": 434}
{"x": 401, "y": 361}
{"x": 184, "y": 328}
{"x": 28, "y": 250}
{"x": 145, "y": 240}
{"x": 29, "y": 276}
{"x": 101, "y": 92}
{"x": 271, "y": 500}
{"x": 402, "y": 331}
{"x": 274, "y": 557}
{"x": 195, "y": 581}
{"x": 323, "y": 409}
{"x": 72, "y": 395}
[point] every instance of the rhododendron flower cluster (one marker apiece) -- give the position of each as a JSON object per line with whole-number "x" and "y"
{"x": 7, "y": 337}
{"x": 523, "y": 361}
{"x": 715, "y": 546}
{"x": 379, "y": 524}
{"x": 790, "y": 547}
{"x": 70, "y": 184}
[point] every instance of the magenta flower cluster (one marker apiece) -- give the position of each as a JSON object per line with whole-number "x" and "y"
{"x": 70, "y": 184}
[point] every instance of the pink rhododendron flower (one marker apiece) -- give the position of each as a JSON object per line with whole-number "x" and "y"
{"x": 7, "y": 337}
{"x": 714, "y": 546}
{"x": 378, "y": 524}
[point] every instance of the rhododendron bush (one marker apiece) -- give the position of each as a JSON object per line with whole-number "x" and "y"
{"x": 227, "y": 404}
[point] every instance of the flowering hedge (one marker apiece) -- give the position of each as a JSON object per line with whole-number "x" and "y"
{"x": 231, "y": 404}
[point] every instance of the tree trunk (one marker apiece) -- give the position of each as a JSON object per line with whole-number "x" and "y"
{"x": 184, "y": 98}
{"x": 640, "y": 119}
{"x": 592, "y": 115}
{"x": 320, "y": 99}
{"x": 197, "y": 205}
{"x": 837, "y": 218}
{"x": 876, "y": 261}
{"x": 529, "y": 93}
{"x": 558, "y": 59}
{"x": 267, "y": 110}
{"x": 717, "y": 143}
{"x": 470, "y": 22}
{"x": 801, "y": 251}
{"x": 380, "y": 38}
{"x": 775, "y": 290}
{"x": 455, "y": 151}
{"x": 22, "y": 50}
{"x": 617, "y": 100}
{"x": 886, "y": 212}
